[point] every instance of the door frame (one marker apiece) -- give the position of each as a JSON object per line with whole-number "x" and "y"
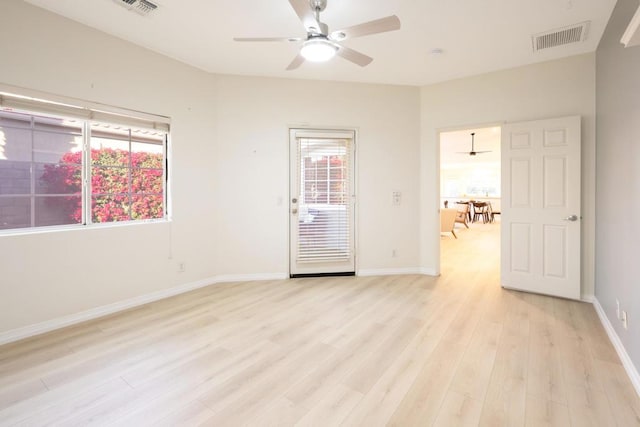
{"x": 356, "y": 203}
{"x": 436, "y": 225}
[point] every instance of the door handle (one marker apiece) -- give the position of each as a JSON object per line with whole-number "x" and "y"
{"x": 294, "y": 211}
{"x": 571, "y": 218}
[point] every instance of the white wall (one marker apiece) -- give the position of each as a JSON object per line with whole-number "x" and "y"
{"x": 550, "y": 89}
{"x": 254, "y": 115}
{"x": 230, "y": 166}
{"x": 618, "y": 231}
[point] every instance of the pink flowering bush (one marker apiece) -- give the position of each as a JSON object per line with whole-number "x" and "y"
{"x": 115, "y": 195}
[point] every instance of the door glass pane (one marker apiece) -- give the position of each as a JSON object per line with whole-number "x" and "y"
{"x": 324, "y": 208}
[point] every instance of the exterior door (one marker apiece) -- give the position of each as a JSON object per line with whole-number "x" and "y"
{"x": 541, "y": 207}
{"x": 321, "y": 202}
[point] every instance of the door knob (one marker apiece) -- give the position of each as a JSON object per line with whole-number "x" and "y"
{"x": 571, "y": 218}
{"x": 294, "y": 211}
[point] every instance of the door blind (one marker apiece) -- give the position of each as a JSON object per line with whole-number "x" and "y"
{"x": 324, "y": 199}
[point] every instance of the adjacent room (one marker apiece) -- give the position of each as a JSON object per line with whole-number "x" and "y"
{"x": 470, "y": 177}
{"x": 233, "y": 213}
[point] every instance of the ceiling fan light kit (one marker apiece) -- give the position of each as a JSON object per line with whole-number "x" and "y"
{"x": 320, "y": 45}
{"x": 318, "y": 50}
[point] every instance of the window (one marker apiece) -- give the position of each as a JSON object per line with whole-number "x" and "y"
{"x": 127, "y": 174}
{"x": 324, "y": 179}
{"x": 65, "y": 170}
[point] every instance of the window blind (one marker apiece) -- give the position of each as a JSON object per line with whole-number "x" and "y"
{"x": 324, "y": 229}
{"x": 33, "y": 101}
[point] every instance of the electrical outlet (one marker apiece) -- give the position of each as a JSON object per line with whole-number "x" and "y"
{"x": 182, "y": 267}
{"x": 625, "y": 320}
{"x": 618, "y": 309}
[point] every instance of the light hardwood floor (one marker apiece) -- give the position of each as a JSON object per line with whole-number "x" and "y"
{"x": 401, "y": 350}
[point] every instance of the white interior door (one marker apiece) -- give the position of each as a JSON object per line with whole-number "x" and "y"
{"x": 321, "y": 202}
{"x": 541, "y": 207}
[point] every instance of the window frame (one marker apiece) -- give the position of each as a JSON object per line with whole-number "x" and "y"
{"x": 88, "y": 115}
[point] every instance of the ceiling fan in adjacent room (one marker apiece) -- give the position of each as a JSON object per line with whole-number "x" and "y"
{"x": 319, "y": 45}
{"x": 473, "y": 152}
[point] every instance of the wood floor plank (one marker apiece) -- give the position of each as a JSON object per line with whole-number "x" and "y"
{"x": 63, "y": 406}
{"x": 156, "y": 397}
{"x": 194, "y": 413}
{"x": 458, "y": 410}
{"x": 369, "y": 371}
{"x": 504, "y": 403}
{"x": 378, "y": 405}
{"x": 542, "y": 412}
{"x": 474, "y": 371}
{"x": 625, "y": 404}
{"x": 545, "y": 377}
{"x": 423, "y": 400}
{"x": 333, "y": 409}
{"x": 589, "y": 407}
{"x": 233, "y": 405}
{"x": 407, "y": 350}
{"x": 18, "y": 392}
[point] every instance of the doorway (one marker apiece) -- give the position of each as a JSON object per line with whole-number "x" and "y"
{"x": 470, "y": 184}
{"x": 321, "y": 202}
{"x": 539, "y": 246}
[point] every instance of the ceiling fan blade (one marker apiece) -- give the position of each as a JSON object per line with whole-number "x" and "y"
{"x": 382, "y": 25}
{"x": 297, "y": 61}
{"x": 354, "y": 56}
{"x": 267, "y": 39}
{"x": 306, "y": 15}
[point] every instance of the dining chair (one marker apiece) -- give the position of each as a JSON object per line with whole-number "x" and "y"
{"x": 492, "y": 213}
{"x": 481, "y": 211}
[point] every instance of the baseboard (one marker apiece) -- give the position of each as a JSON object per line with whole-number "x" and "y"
{"x": 388, "y": 271}
{"x": 588, "y": 298}
{"x": 617, "y": 344}
{"x": 250, "y": 277}
{"x": 94, "y": 313}
{"x": 429, "y": 272}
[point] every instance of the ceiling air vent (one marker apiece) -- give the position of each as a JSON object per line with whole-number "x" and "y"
{"x": 143, "y": 7}
{"x": 561, "y": 36}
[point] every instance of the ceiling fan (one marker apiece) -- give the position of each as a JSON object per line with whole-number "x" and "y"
{"x": 473, "y": 152}
{"x": 319, "y": 45}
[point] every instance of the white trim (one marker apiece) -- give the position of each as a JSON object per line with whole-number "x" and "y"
{"x": 617, "y": 344}
{"x": 588, "y": 298}
{"x": 250, "y": 277}
{"x": 429, "y": 272}
{"x": 389, "y": 271}
{"x": 94, "y": 313}
{"x": 631, "y": 36}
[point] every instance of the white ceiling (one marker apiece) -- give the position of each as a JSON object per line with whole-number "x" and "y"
{"x": 476, "y": 36}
